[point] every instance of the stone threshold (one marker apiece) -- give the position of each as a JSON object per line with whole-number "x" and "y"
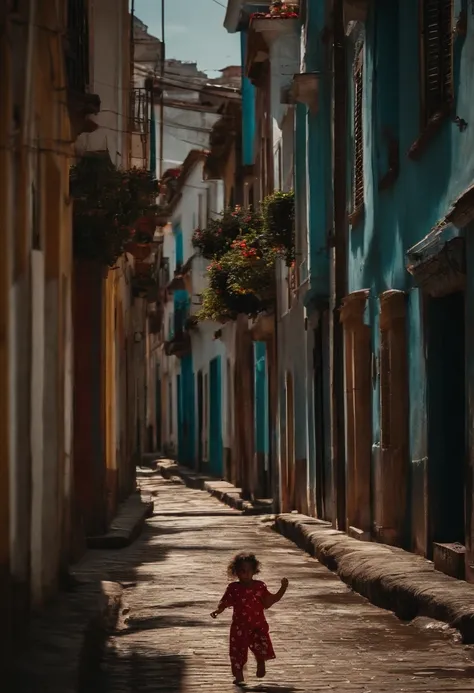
{"x": 126, "y": 526}
{"x": 220, "y": 489}
{"x": 389, "y": 577}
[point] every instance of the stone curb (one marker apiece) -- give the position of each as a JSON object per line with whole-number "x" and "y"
{"x": 388, "y": 577}
{"x": 126, "y": 526}
{"x": 65, "y": 643}
{"x": 222, "y": 490}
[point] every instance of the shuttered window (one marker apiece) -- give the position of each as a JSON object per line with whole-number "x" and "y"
{"x": 358, "y": 163}
{"x": 437, "y": 56}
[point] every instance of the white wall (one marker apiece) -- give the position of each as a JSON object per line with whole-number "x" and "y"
{"x": 184, "y": 130}
{"x": 200, "y": 199}
{"x": 107, "y": 70}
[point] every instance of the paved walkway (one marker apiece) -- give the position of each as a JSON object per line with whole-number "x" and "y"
{"x": 326, "y": 637}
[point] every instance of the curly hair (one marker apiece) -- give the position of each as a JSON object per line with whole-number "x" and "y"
{"x": 237, "y": 562}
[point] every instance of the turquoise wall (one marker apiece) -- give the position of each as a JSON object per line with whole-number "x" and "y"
{"x": 248, "y": 111}
{"x": 400, "y": 216}
{"x": 179, "y": 245}
{"x": 313, "y": 144}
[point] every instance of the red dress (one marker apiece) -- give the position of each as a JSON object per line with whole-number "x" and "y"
{"x": 249, "y": 629}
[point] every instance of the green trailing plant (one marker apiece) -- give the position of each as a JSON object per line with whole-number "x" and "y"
{"x": 107, "y": 202}
{"x": 240, "y": 281}
{"x": 217, "y": 238}
{"x": 243, "y": 247}
{"x": 278, "y": 211}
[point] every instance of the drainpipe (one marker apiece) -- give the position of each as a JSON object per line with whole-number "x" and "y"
{"x": 339, "y": 282}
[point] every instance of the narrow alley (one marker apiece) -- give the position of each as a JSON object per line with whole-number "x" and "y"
{"x": 326, "y": 637}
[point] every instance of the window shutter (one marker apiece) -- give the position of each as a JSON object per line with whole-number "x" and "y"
{"x": 438, "y": 55}
{"x": 358, "y": 182}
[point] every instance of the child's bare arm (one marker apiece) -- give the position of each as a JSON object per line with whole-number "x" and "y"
{"x": 270, "y": 599}
{"x": 225, "y": 603}
{"x": 218, "y": 611}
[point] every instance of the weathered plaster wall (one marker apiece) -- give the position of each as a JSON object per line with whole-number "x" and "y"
{"x": 397, "y": 218}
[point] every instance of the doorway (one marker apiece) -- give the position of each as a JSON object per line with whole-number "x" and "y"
{"x": 187, "y": 408}
{"x": 215, "y": 417}
{"x": 446, "y": 417}
{"x": 290, "y": 442}
{"x": 322, "y": 424}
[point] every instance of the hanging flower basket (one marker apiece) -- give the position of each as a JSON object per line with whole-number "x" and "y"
{"x": 279, "y": 10}
{"x": 241, "y": 281}
{"x": 278, "y": 211}
{"x": 107, "y": 202}
{"x": 217, "y": 238}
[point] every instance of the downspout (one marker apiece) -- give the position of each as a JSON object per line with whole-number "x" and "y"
{"x": 339, "y": 283}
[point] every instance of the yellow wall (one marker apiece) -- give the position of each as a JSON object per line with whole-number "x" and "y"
{"x": 35, "y": 157}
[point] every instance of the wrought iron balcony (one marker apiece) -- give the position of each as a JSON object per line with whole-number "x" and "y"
{"x": 81, "y": 103}
{"x": 140, "y": 110}
{"x": 77, "y": 51}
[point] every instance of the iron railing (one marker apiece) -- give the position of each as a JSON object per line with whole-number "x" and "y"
{"x": 77, "y": 52}
{"x": 140, "y": 110}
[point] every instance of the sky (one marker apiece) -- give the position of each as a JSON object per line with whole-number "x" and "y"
{"x": 194, "y": 31}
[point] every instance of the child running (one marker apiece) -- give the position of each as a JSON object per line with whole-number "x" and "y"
{"x": 249, "y": 630}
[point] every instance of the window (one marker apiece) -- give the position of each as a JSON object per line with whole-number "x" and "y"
{"x": 437, "y": 57}
{"x": 280, "y": 167}
{"x": 208, "y": 205}
{"x": 358, "y": 141}
{"x": 201, "y": 211}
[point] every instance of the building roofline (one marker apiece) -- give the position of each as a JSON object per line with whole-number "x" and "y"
{"x": 235, "y": 9}
{"x": 232, "y": 16}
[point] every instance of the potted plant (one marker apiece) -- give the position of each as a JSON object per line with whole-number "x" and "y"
{"x": 107, "y": 202}
{"x": 279, "y": 224}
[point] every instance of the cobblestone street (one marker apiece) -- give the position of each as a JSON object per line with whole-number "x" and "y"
{"x": 326, "y": 638}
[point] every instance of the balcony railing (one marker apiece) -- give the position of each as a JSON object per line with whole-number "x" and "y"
{"x": 77, "y": 51}
{"x": 140, "y": 110}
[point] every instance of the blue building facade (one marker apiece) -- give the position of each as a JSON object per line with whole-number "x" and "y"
{"x": 375, "y": 373}
{"x": 406, "y": 316}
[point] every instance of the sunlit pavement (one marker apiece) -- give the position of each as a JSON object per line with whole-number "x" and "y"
{"x": 326, "y": 638}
